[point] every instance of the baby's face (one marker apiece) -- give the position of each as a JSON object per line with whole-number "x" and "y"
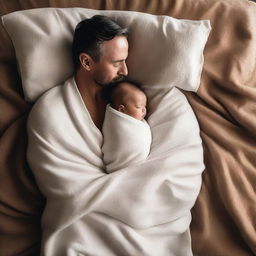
{"x": 135, "y": 104}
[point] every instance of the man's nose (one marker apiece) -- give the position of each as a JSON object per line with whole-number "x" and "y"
{"x": 123, "y": 70}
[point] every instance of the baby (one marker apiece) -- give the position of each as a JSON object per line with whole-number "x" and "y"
{"x": 127, "y": 135}
{"x": 129, "y": 99}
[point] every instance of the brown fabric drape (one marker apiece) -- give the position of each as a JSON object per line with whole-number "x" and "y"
{"x": 224, "y": 217}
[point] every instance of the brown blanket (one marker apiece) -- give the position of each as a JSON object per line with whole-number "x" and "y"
{"x": 225, "y": 213}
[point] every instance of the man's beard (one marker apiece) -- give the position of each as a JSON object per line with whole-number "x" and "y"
{"x": 118, "y": 79}
{"x": 114, "y": 80}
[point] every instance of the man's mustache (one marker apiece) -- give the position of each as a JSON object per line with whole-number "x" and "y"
{"x": 119, "y": 79}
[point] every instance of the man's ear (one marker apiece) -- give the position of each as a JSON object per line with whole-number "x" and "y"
{"x": 121, "y": 108}
{"x": 85, "y": 61}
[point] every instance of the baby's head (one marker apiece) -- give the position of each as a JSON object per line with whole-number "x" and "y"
{"x": 129, "y": 99}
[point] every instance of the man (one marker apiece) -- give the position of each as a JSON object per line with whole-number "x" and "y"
{"x": 100, "y": 49}
{"x": 140, "y": 210}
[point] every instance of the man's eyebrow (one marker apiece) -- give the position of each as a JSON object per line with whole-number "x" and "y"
{"x": 118, "y": 60}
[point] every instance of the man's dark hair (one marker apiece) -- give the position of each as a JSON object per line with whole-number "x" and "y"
{"x": 91, "y": 33}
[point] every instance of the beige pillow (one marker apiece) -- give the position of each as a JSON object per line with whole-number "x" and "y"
{"x": 164, "y": 52}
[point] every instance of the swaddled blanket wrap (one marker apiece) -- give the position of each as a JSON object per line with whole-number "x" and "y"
{"x": 126, "y": 140}
{"x": 142, "y": 209}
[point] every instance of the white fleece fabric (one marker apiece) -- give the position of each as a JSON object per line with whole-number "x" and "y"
{"x": 142, "y": 209}
{"x": 126, "y": 140}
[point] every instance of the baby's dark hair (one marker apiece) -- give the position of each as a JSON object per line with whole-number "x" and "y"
{"x": 108, "y": 91}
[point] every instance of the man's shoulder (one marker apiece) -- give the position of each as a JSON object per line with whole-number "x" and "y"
{"x": 50, "y": 104}
{"x": 48, "y": 99}
{"x": 53, "y": 96}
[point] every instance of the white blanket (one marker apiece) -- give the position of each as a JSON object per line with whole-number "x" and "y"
{"x": 143, "y": 209}
{"x": 126, "y": 140}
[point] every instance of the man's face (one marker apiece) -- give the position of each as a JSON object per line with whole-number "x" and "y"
{"x": 111, "y": 66}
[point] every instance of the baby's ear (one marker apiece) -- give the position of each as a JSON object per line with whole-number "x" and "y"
{"x": 120, "y": 108}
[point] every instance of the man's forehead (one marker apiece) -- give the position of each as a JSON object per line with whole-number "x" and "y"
{"x": 117, "y": 47}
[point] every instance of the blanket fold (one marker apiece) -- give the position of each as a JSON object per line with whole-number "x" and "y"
{"x": 126, "y": 140}
{"x": 145, "y": 207}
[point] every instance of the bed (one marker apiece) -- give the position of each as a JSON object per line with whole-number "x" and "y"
{"x": 223, "y": 217}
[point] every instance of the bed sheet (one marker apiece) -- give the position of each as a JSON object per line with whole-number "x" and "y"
{"x": 224, "y": 215}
